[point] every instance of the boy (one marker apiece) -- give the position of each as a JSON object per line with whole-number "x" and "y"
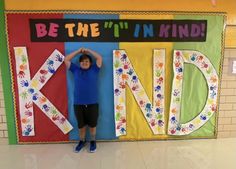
{"x": 85, "y": 93}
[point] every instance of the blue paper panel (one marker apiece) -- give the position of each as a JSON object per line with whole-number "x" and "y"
{"x": 105, "y": 128}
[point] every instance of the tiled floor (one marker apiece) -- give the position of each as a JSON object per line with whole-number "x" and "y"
{"x": 180, "y": 154}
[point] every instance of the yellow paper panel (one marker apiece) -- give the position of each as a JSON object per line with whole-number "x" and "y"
{"x": 141, "y": 57}
{"x": 128, "y": 5}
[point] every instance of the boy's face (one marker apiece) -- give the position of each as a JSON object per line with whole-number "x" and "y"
{"x": 85, "y": 63}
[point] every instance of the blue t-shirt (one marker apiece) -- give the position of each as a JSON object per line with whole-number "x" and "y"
{"x": 86, "y": 84}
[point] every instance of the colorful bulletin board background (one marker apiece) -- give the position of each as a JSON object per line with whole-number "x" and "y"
{"x": 59, "y": 89}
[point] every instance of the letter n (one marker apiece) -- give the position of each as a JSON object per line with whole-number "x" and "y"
{"x": 123, "y": 75}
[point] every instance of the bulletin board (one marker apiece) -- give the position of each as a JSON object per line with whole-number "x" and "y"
{"x": 160, "y": 77}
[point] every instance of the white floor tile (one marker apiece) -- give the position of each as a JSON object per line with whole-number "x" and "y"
{"x": 177, "y": 154}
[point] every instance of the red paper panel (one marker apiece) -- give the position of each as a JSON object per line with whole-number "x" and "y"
{"x": 54, "y": 89}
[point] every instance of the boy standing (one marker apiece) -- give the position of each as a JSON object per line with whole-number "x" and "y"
{"x": 85, "y": 93}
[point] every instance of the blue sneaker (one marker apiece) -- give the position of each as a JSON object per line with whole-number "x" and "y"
{"x": 93, "y": 146}
{"x": 79, "y": 146}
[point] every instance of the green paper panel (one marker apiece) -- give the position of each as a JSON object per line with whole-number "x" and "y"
{"x": 194, "y": 91}
{"x": 6, "y": 80}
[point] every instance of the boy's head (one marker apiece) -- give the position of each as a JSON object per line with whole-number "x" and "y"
{"x": 85, "y": 61}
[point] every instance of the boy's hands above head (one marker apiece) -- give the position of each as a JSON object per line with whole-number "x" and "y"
{"x": 85, "y": 50}
{"x": 97, "y": 56}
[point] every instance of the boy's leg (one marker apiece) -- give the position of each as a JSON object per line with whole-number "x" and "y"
{"x": 93, "y": 145}
{"x": 82, "y": 132}
{"x": 92, "y": 118}
{"x": 92, "y": 133}
{"x": 82, "y": 142}
{"x": 79, "y": 113}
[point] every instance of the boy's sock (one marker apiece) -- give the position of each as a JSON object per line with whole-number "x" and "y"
{"x": 93, "y": 138}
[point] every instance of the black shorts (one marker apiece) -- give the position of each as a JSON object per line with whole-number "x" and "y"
{"x": 86, "y": 115}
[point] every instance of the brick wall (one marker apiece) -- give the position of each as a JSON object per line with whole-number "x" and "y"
{"x": 227, "y": 111}
{"x": 3, "y": 122}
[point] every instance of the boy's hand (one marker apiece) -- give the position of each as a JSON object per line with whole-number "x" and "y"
{"x": 84, "y": 50}
{"x": 80, "y": 50}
